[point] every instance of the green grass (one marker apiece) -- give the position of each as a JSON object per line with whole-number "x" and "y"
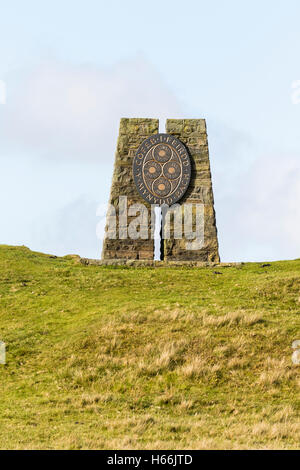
{"x": 137, "y": 358}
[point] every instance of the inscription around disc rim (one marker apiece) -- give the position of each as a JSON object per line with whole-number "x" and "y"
{"x": 162, "y": 169}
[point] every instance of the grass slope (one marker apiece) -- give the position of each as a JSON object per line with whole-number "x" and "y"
{"x": 175, "y": 357}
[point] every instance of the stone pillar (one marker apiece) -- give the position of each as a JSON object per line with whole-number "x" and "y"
{"x": 192, "y": 132}
{"x": 132, "y": 132}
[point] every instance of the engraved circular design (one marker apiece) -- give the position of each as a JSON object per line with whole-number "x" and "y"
{"x": 162, "y": 153}
{"x": 162, "y": 169}
{"x": 161, "y": 186}
{"x": 152, "y": 169}
{"x": 172, "y": 170}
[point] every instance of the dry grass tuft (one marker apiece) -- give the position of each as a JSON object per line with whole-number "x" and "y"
{"x": 195, "y": 367}
{"x": 276, "y": 372}
{"x": 167, "y": 359}
{"x": 231, "y": 319}
{"x": 276, "y": 431}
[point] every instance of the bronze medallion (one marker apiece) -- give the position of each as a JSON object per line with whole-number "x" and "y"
{"x": 162, "y": 169}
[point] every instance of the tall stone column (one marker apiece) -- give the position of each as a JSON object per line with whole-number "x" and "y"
{"x": 192, "y": 132}
{"x": 132, "y": 133}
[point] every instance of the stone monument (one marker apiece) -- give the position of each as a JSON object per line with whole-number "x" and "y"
{"x": 170, "y": 171}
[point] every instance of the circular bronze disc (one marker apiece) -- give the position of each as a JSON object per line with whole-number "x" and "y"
{"x": 162, "y": 169}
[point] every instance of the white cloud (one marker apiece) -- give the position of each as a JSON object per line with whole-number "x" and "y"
{"x": 270, "y": 214}
{"x": 63, "y": 110}
{"x": 68, "y": 230}
{"x": 260, "y": 215}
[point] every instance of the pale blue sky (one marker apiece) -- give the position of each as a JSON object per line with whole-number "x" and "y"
{"x": 73, "y": 68}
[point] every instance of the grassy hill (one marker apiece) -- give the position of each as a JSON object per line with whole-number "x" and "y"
{"x": 132, "y": 358}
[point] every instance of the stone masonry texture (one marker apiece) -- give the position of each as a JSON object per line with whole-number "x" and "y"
{"x": 132, "y": 132}
{"x": 192, "y": 132}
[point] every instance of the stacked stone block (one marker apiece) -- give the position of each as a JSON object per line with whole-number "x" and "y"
{"x": 192, "y": 132}
{"x": 132, "y": 133}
